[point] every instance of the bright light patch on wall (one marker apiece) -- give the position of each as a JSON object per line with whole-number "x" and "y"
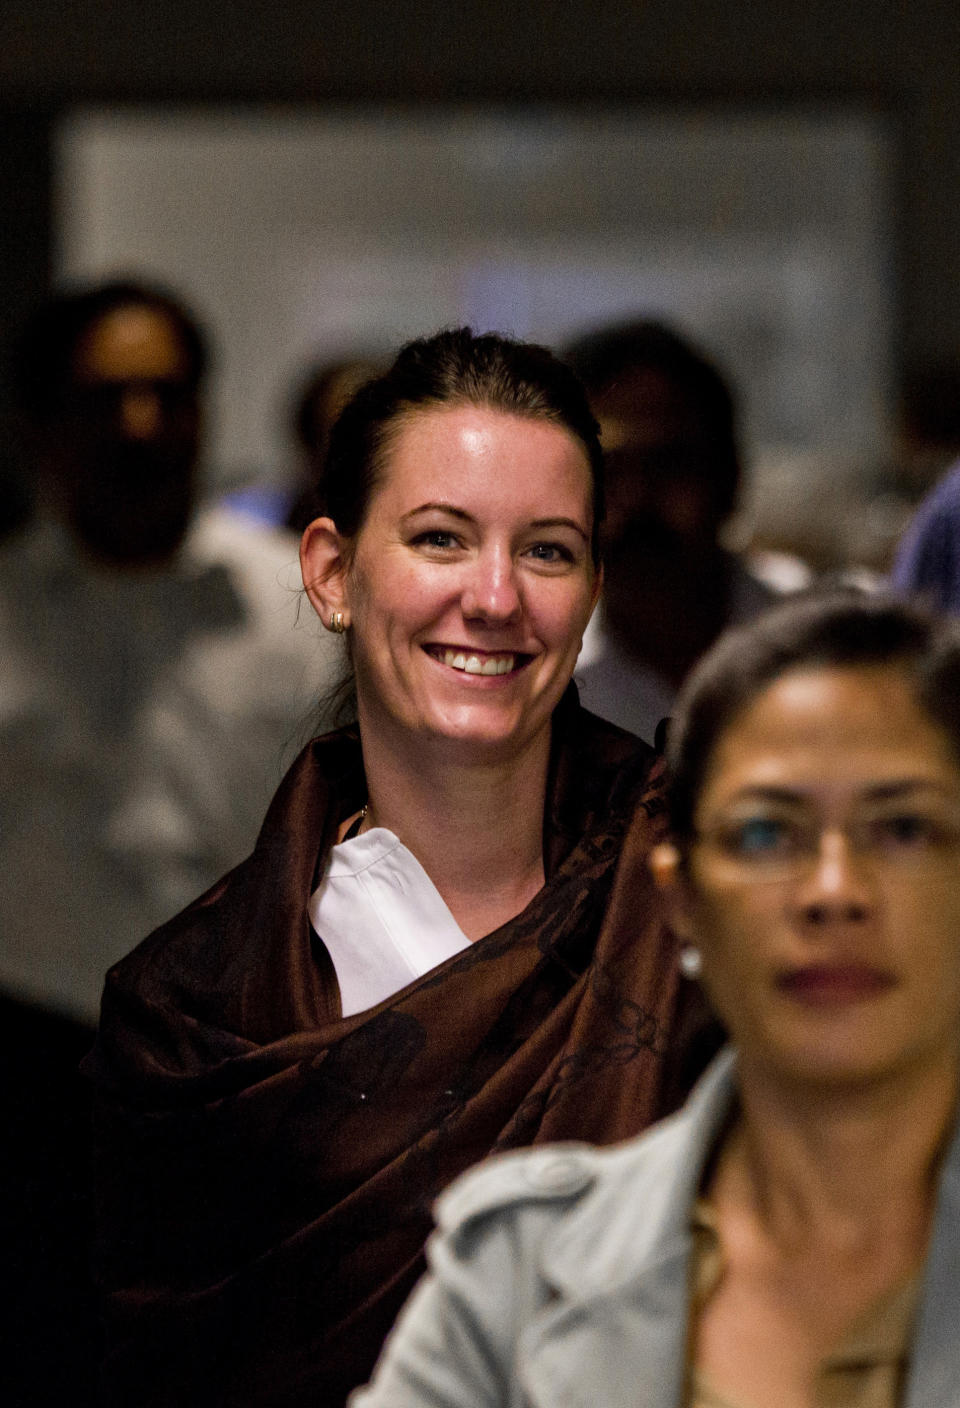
{"x": 300, "y": 237}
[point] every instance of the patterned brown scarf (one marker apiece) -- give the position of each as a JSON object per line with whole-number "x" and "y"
{"x": 266, "y": 1168}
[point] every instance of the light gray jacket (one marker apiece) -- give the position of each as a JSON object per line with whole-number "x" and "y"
{"x": 558, "y": 1279}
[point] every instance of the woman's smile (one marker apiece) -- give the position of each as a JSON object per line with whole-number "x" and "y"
{"x": 476, "y": 554}
{"x": 470, "y": 661}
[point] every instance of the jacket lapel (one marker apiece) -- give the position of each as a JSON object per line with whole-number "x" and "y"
{"x": 614, "y": 1349}
{"x": 934, "y": 1377}
{"x": 616, "y": 1329}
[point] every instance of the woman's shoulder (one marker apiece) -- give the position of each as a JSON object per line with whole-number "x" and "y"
{"x": 588, "y": 730}
{"x": 552, "y": 1179}
{"x": 233, "y": 958}
{"x": 600, "y": 772}
{"x": 649, "y": 1179}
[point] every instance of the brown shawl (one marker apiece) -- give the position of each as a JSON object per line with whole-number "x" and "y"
{"x": 266, "y": 1167}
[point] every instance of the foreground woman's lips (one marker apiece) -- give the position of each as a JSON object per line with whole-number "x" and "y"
{"x": 474, "y": 664}
{"x": 826, "y": 985}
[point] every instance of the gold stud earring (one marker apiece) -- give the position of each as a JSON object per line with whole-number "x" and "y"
{"x": 337, "y": 623}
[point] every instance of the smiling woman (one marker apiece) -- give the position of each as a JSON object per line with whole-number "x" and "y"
{"x": 446, "y": 940}
{"x": 466, "y": 592}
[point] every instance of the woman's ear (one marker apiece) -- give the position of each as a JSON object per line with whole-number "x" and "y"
{"x": 323, "y": 564}
{"x": 667, "y": 869}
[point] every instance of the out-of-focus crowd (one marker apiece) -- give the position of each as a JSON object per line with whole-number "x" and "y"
{"x": 157, "y": 672}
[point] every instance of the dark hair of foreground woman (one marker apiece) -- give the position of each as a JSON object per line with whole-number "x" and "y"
{"x": 841, "y": 628}
{"x": 792, "y": 1235}
{"x": 267, "y": 1165}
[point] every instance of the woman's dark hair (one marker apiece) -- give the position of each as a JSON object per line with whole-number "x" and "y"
{"x": 833, "y": 628}
{"x": 453, "y": 368}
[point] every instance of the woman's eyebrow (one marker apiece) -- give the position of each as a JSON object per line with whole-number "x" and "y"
{"x": 540, "y": 523}
{"x": 767, "y": 792}
{"x": 438, "y": 505}
{"x": 878, "y": 792}
{"x": 902, "y": 786}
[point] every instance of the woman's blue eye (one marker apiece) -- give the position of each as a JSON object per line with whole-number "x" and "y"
{"x": 760, "y": 836}
{"x": 550, "y": 552}
{"x": 436, "y": 538}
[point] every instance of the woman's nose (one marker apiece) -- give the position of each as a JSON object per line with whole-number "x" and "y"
{"x": 490, "y": 592}
{"x": 835, "y": 888}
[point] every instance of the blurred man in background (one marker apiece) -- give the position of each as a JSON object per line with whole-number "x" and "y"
{"x": 153, "y": 681}
{"x": 319, "y": 401}
{"x": 152, "y": 684}
{"x": 668, "y": 427}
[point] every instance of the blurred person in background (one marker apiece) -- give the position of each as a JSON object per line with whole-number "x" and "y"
{"x": 151, "y": 676}
{"x": 446, "y": 940}
{"x": 321, "y": 398}
{"x": 150, "y": 682}
{"x": 791, "y": 1239}
{"x": 16, "y": 497}
{"x": 669, "y": 434}
{"x": 926, "y": 561}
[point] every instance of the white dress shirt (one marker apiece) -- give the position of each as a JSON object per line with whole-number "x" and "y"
{"x": 381, "y": 919}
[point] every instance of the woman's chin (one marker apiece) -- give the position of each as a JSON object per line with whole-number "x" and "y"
{"x": 486, "y": 729}
{"x": 841, "y": 1063}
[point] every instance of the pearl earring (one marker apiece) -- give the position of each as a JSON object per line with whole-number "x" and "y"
{"x": 690, "y": 961}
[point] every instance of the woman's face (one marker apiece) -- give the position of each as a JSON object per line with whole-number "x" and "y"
{"x": 470, "y": 582}
{"x": 823, "y": 886}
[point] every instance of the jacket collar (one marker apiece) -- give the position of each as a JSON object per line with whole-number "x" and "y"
{"x": 934, "y": 1377}
{"x": 634, "y": 1238}
{"x": 620, "y": 1268}
{"x": 622, "y": 1292}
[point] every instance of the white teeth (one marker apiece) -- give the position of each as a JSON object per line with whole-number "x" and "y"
{"x": 473, "y": 665}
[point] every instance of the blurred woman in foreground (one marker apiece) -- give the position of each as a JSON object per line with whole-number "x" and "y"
{"x": 791, "y": 1239}
{"x": 445, "y": 940}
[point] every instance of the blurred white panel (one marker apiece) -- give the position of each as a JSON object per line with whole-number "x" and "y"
{"x": 299, "y": 236}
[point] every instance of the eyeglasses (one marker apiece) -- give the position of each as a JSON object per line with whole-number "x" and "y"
{"x": 765, "y": 843}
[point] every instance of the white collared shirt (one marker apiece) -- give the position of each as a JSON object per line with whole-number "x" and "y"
{"x": 381, "y": 919}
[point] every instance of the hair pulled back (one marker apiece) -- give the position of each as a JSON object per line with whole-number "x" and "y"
{"x": 452, "y": 368}
{"x": 833, "y": 628}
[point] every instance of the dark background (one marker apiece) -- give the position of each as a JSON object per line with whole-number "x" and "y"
{"x": 897, "y": 59}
